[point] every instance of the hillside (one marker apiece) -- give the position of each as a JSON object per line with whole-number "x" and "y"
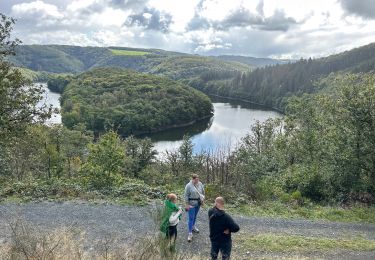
{"x": 224, "y": 75}
{"x": 130, "y": 102}
{"x": 252, "y": 61}
{"x": 271, "y": 85}
{"x": 75, "y": 59}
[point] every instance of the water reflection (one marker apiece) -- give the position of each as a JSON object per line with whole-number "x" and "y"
{"x": 232, "y": 120}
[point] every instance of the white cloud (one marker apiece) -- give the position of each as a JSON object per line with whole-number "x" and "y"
{"x": 37, "y": 8}
{"x": 274, "y": 28}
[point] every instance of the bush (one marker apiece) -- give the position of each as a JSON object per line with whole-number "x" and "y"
{"x": 138, "y": 189}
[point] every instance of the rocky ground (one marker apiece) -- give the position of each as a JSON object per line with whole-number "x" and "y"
{"x": 124, "y": 224}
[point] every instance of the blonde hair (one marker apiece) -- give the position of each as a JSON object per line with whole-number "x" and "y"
{"x": 194, "y": 176}
{"x": 171, "y": 197}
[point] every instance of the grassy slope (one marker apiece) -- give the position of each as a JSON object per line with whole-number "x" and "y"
{"x": 355, "y": 214}
{"x": 128, "y": 53}
{"x": 280, "y": 243}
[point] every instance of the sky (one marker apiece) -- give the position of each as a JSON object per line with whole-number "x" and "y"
{"x": 260, "y": 28}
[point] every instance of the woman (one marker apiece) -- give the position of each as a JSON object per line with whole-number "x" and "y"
{"x": 194, "y": 198}
{"x": 171, "y": 217}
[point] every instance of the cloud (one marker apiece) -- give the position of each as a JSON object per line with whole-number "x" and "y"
{"x": 37, "y": 8}
{"x": 242, "y": 17}
{"x": 363, "y": 8}
{"x": 277, "y": 22}
{"x": 150, "y": 19}
{"x": 130, "y": 4}
{"x": 210, "y": 27}
{"x": 198, "y": 22}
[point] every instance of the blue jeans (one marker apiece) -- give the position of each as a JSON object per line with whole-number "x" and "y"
{"x": 193, "y": 212}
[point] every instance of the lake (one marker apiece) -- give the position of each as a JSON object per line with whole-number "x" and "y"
{"x": 232, "y": 120}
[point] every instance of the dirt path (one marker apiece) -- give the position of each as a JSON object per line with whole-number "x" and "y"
{"x": 126, "y": 223}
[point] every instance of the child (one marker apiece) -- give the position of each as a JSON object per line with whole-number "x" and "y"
{"x": 170, "y": 219}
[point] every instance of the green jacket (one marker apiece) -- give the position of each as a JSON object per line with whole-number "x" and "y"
{"x": 169, "y": 208}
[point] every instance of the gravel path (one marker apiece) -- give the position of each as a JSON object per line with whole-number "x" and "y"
{"x": 126, "y": 223}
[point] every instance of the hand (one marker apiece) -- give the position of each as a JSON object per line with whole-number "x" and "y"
{"x": 226, "y": 231}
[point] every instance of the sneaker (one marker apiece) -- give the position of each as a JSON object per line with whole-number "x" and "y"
{"x": 196, "y": 230}
{"x": 190, "y": 237}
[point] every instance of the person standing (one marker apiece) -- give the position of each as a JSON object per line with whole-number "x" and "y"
{"x": 194, "y": 198}
{"x": 170, "y": 218}
{"x": 221, "y": 227}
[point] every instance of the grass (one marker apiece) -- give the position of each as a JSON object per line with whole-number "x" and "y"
{"x": 356, "y": 214}
{"x": 128, "y": 53}
{"x": 299, "y": 244}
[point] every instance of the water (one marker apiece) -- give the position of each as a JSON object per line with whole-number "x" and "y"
{"x": 51, "y": 98}
{"x": 232, "y": 120}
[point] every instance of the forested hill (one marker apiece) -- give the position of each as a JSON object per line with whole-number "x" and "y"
{"x": 75, "y": 59}
{"x": 252, "y": 61}
{"x": 130, "y": 102}
{"x": 271, "y": 85}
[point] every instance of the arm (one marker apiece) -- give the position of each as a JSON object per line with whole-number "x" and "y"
{"x": 232, "y": 226}
{"x": 174, "y": 217}
{"x": 187, "y": 194}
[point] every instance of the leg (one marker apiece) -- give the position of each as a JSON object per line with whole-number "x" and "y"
{"x": 195, "y": 214}
{"x": 214, "y": 251}
{"x": 173, "y": 237}
{"x": 226, "y": 249}
{"x": 191, "y": 220}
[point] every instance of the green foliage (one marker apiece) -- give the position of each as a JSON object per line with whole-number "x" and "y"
{"x": 42, "y": 189}
{"x": 186, "y": 152}
{"x": 44, "y": 152}
{"x": 272, "y": 85}
{"x": 139, "y": 154}
{"x": 18, "y": 99}
{"x": 323, "y": 149}
{"x": 58, "y": 83}
{"x": 104, "y": 166}
{"x": 130, "y": 102}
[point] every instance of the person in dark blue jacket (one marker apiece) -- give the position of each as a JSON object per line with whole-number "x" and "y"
{"x": 221, "y": 227}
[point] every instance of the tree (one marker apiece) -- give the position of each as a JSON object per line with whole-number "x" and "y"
{"x": 186, "y": 151}
{"x": 18, "y": 99}
{"x": 105, "y": 162}
{"x": 139, "y": 154}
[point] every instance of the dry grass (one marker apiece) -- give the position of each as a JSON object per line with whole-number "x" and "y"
{"x": 29, "y": 243}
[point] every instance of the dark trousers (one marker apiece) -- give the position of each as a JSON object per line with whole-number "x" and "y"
{"x": 224, "y": 248}
{"x": 172, "y": 233}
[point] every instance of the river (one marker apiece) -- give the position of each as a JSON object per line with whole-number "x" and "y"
{"x": 232, "y": 120}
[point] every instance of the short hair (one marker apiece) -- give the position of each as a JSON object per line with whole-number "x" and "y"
{"x": 219, "y": 200}
{"x": 171, "y": 196}
{"x": 194, "y": 176}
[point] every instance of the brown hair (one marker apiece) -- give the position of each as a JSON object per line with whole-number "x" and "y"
{"x": 171, "y": 196}
{"x": 194, "y": 176}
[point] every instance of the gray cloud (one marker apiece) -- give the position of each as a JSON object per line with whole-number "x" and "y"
{"x": 277, "y": 22}
{"x": 135, "y": 5}
{"x": 150, "y": 19}
{"x": 198, "y": 23}
{"x": 96, "y": 7}
{"x": 242, "y": 17}
{"x": 363, "y": 8}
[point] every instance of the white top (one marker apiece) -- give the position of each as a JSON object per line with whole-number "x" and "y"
{"x": 174, "y": 218}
